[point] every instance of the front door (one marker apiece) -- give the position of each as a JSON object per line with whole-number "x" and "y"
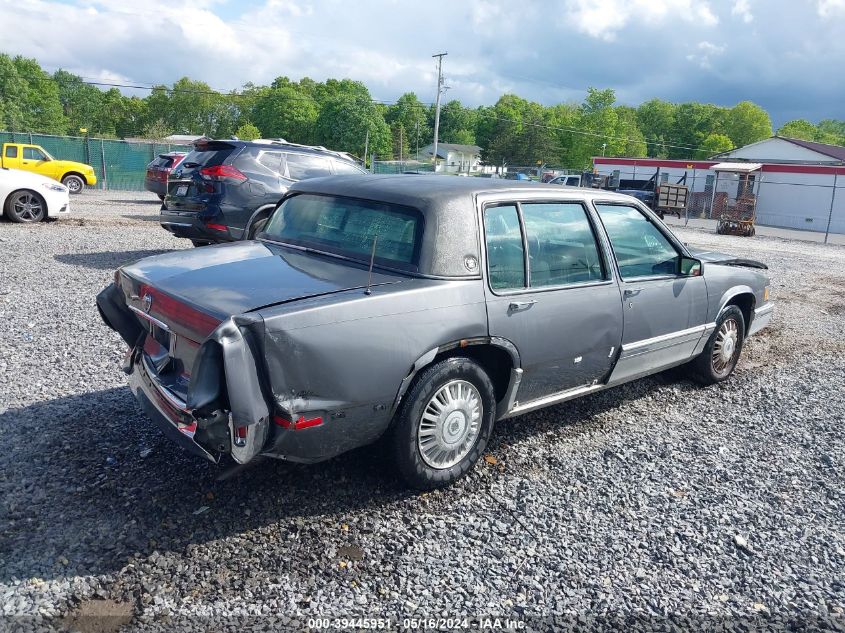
{"x": 551, "y": 293}
{"x": 34, "y": 159}
{"x": 664, "y": 310}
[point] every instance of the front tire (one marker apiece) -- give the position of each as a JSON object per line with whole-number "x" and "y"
{"x": 443, "y": 424}
{"x": 26, "y": 207}
{"x": 74, "y": 183}
{"x": 721, "y": 354}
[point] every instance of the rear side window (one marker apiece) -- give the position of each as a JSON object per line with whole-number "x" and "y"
{"x": 346, "y": 168}
{"x": 562, "y": 247}
{"x": 348, "y": 227}
{"x": 12, "y": 151}
{"x": 303, "y": 166}
{"x": 505, "y": 253}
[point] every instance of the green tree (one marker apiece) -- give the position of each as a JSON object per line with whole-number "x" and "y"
{"x": 286, "y": 112}
{"x": 29, "y": 97}
{"x": 716, "y": 144}
{"x": 344, "y": 122}
{"x": 157, "y": 130}
{"x": 747, "y": 123}
{"x": 410, "y": 113}
{"x": 694, "y": 122}
{"x": 800, "y": 129}
{"x": 655, "y": 119}
{"x": 457, "y": 124}
{"x": 247, "y": 132}
{"x": 82, "y": 103}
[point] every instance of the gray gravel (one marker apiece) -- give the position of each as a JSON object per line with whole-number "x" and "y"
{"x": 654, "y": 505}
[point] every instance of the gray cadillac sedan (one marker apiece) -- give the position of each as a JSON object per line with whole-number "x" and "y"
{"x": 422, "y": 309}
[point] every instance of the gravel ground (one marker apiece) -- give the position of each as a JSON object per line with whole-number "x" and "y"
{"x": 658, "y": 503}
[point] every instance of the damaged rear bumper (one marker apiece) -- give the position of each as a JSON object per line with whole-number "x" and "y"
{"x": 164, "y": 408}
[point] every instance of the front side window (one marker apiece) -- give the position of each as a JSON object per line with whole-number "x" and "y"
{"x": 302, "y": 166}
{"x": 348, "y": 227}
{"x": 562, "y": 247}
{"x": 33, "y": 153}
{"x": 505, "y": 253}
{"x": 640, "y": 248}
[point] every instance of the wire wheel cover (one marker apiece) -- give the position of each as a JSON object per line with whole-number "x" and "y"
{"x": 725, "y": 347}
{"x": 450, "y": 424}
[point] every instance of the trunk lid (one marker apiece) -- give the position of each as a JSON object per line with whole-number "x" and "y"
{"x": 229, "y": 279}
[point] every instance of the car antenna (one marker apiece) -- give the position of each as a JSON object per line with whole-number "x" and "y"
{"x": 369, "y": 291}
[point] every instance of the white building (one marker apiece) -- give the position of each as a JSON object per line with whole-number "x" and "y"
{"x": 454, "y": 158}
{"x": 793, "y": 186}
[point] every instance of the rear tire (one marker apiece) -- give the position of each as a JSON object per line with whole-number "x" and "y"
{"x": 199, "y": 243}
{"x": 74, "y": 183}
{"x": 26, "y": 207}
{"x": 721, "y": 353}
{"x": 443, "y": 424}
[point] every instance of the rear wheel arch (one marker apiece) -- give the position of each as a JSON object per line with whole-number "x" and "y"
{"x": 498, "y": 357}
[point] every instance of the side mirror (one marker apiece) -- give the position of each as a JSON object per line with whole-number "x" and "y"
{"x": 691, "y": 267}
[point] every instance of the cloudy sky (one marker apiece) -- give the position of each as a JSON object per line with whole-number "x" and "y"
{"x": 787, "y": 55}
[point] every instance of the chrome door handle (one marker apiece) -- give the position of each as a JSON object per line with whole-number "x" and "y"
{"x": 632, "y": 292}
{"x": 521, "y": 305}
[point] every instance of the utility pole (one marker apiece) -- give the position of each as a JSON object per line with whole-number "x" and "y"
{"x": 401, "y": 141}
{"x": 366, "y": 147}
{"x": 439, "y": 57}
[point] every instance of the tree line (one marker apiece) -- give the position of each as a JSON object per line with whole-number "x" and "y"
{"x": 342, "y": 115}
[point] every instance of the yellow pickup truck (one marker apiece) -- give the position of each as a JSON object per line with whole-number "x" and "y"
{"x": 35, "y": 158}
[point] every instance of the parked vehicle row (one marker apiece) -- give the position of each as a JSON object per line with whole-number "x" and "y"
{"x": 34, "y": 158}
{"x": 421, "y": 309}
{"x": 27, "y": 197}
{"x": 159, "y": 169}
{"x": 221, "y": 187}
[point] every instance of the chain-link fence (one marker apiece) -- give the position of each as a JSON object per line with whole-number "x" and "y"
{"x": 401, "y": 166}
{"x": 119, "y": 165}
{"x": 782, "y": 196}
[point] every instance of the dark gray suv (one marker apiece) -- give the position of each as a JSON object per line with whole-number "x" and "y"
{"x": 220, "y": 185}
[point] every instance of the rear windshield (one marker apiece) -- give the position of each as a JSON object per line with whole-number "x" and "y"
{"x": 208, "y": 156}
{"x": 347, "y": 227}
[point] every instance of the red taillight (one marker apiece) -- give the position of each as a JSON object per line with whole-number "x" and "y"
{"x": 222, "y": 172}
{"x": 299, "y": 424}
{"x": 217, "y": 227}
{"x": 169, "y": 309}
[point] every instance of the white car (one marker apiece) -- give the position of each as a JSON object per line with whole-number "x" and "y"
{"x": 28, "y": 197}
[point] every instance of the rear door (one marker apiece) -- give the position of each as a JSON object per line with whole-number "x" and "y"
{"x": 664, "y": 310}
{"x": 551, "y": 292}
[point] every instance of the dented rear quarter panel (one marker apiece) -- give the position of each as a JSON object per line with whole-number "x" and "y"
{"x": 344, "y": 356}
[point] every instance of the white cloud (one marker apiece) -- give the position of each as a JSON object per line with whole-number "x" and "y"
{"x": 605, "y": 18}
{"x": 705, "y": 52}
{"x": 742, "y": 8}
{"x": 827, "y": 8}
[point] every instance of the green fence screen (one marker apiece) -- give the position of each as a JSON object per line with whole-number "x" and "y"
{"x": 119, "y": 165}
